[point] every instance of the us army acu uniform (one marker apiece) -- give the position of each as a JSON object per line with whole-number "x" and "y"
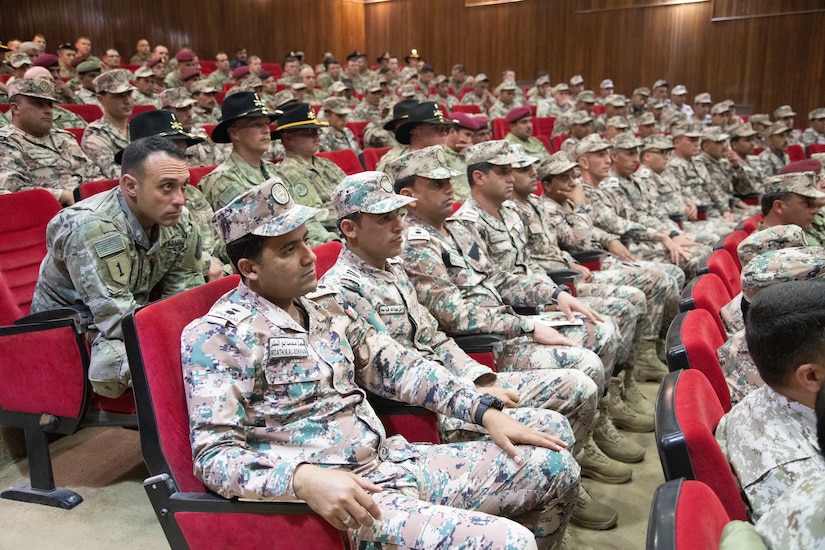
{"x": 102, "y": 139}
{"x": 100, "y": 256}
{"x": 323, "y": 418}
{"x": 54, "y": 162}
{"x": 231, "y": 178}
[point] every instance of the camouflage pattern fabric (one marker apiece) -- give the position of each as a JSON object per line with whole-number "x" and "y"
{"x": 333, "y": 140}
{"x": 100, "y": 142}
{"x": 795, "y": 519}
{"x": 532, "y": 146}
{"x": 312, "y": 184}
{"x": 740, "y": 372}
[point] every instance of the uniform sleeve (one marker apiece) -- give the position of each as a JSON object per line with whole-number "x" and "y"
{"x": 101, "y": 151}
{"x": 220, "y": 187}
{"x": 606, "y": 218}
{"x": 188, "y": 271}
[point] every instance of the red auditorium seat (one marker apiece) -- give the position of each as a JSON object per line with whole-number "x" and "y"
{"x": 687, "y": 414}
{"x": 795, "y": 153}
{"x": 678, "y": 507}
{"x": 358, "y": 129}
{"x": 500, "y": 128}
{"x": 706, "y": 292}
{"x": 470, "y": 109}
{"x": 89, "y": 113}
{"x": 346, "y": 160}
{"x": 749, "y": 225}
{"x": 196, "y": 174}
{"x": 209, "y": 128}
{"x": 546, "y": 141}
{"x": 731, "y": 242}
{"x": 137, "y": 109}
{"x": 557, "y": 141}
{"x": 815, "y": 148}
{"x": 77, "y": 133}
{"x": 543, "y": 126}
{"x": 90, "y": 188}
{"x": 721, "y": 264}
{"x": 273, "y": 68}
{"x": 372, "y": 156}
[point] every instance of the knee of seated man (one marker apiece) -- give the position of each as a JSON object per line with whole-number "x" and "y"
{"x": 544, "y": 421}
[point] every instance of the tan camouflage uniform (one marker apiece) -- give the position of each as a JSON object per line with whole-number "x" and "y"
{"x": 772, "y": 163}
{"x": 248, "y": 354}
{"x": 794, "y": 520}
{"x": 333, "y": 140}
{"x": 461, "y": 187}
{"x": 740, "y": 372}
{"x": 63, "y": 118}
{"x": 205, "y": 116}
{"x": 366, "y": 112}
{"x": 100, "y": 256}
{"x": 100, "y": 143}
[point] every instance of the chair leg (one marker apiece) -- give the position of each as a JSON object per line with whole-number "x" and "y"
{"x": 41, "y": 489}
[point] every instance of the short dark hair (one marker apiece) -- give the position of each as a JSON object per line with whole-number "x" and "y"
{"x": 136, "y": 153}
{"x": 484, "y": 167}
{"x": 819, "y": 408}
{"x": 768, "y": 198}
{"x": 330, "y": 61}
{"x": 785, "y": 328}
{"x": 290, "y": 59}
{"x": 355, "y": 218}
{"x": 403, "y": 183}
{"x": 426, "y": 68}
{"x": 249, "y": 246}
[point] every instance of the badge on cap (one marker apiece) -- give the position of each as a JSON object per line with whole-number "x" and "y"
{"x": 385, "y": 184}
{"x": 279, "y": 193}
{"x": 439, "y": 156}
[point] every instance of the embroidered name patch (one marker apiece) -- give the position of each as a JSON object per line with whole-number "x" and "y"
{"x": 287, "y": 347}
{"x": 391, "y": 310}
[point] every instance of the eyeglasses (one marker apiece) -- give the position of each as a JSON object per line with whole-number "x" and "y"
{"x": 307, "y": 132}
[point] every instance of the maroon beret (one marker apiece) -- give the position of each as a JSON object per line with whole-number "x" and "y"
{"x": 186, "y": 55}
{"x": 465, "y": 121}
{"x": 45, "y": 60}
{"x": 807, "y": 165}
{"x": 191, "y": 73}
{"x": 152, "y": 62}
{"x": 517, "y": 113}
{"x": 240, "y": 72}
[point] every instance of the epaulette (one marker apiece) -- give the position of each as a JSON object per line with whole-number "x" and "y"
{"x": 417, "y": 234}
{"x": 395, "y": 260}
{"x": 322, "y": 291}
{"x": 610, "y": 182}
{"x": 350, "y": 278}
{"x": 228, "y": 314}
{"x": 467, "y": 214}
{"x": 644, "y": 172}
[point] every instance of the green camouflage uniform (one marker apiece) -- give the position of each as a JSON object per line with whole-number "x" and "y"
{"x": 55, "y": 163}
{"x": 100, "y": 143}
{"x": 394, "y": 153}
{"x": 386, "y": 299}
{"x": 312, "y": 185}
{"x": 247, "y": 355}
{"x": 99, "y": 256}
{"x": 324, "y": 80}
{"x": 206, "y": 153}
{"x": 532, "y": 146}
{"x": 375, "y": 136}
{"x": 770, "y": 443}
{"x": 218, "y": 79}
{"x": 772, "y": 163}
{"x": 231, "y": 178}
{"x": 333, "y": 140}
{"x": 747, "y": 178}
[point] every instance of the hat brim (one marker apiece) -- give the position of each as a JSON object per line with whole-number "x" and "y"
{"x": 403, "y": 132}
{"x": 286, "y": 222}
{"x": 566, "y": 168}
{"x": 221, "y": 135}
{"x": 389, "y": 204}
{"x": 525, "y": 161}
{"x": 39, "y": 96}
{"x": 298, "y": 126}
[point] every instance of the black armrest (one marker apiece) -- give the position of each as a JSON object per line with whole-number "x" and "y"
{"x": 80, "y": 315}
{"x": 526, "y": 310}
{"x": 703, "y": 208}
{"x": 383, "y": 405}
{"x": 479, "y": 343}
{"x": 76, "y": 194}
{"x": 562, "y": 276}
{"x": 591, "y": 255}
{"x": 677, "y": 216}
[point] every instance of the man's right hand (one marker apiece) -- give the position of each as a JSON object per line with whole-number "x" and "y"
{"x": 341, "y": 498}
{"x": 550, "y": 336}
{"x": 619, "y": 250}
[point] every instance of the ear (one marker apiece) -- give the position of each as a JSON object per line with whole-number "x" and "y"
{"x": 407, "y": 192}
{"x": 129, "y": 185}
{"x": 248, "y": 269}
{"x": 349, "y": 229}
{"x": 479, "y": 177}
{"x": 810, "y": 376}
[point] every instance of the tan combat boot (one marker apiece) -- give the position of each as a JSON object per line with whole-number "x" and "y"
{"x": 612, "y": 442}
{"x": 590, "y": 514}
{"x": 647, "y": 363}
{"x": 597, "y": 465}
{"x": 633, "y": 396}
{"x": 623, "y": 416}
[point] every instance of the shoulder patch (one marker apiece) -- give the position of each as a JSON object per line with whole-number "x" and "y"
{"x": 322, "y": 291}
{"x": 643, "y": 172}
{"x": 417, "y": 234}
{"x": 610, "y": 182}
{"x": 228, "y": 314}
{"x": 467, "y": 214}
{"x": 109, "y": 245}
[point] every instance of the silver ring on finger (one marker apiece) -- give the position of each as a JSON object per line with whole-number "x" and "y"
{"x": 347, "y": 519}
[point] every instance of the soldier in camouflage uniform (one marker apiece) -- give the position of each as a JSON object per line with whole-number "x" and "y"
{"x": 200, "y": 153}
{"x": 815, "y": 133}
{"x": 38, "y": 155}
{"x": 368, "y": 270}
{"x": 337, "y": 136}
{"x": 614, "y": 105}
{"x": 144, "y": 93}
{"x": 206, "y": 109}
{"x": 785, "y": 115}
{"x": 106, "y": 136}
{"x": 774, "y": 158}
{"x": 309, "y": 178}
{"x": 480, "y": 94}
{"x": 506, "y": 101}
{"x": 769, "y": 437}
{"x": 87, "y": 72}
{"x": 747, "y": 171}
{"x": 111, "y": 250}
{"x": 520, "y": 121}
{"x": 724, "y": 167}
{"x": 423, "y": 126}
{"x": 459, "y": 138}
{"x": 792, "y": 198}
{"x": 369, "y": 109}
{"x": 442, "y": 94}
{"x": 324, "y": 439}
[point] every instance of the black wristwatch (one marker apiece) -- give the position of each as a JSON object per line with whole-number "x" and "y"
{"x": 486, "y": 402}
{"x": 558, "y": 291}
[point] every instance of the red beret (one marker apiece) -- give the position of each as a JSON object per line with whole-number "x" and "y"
{"x": 465, "y": 121}
{"x": 45, "y": 60}
{"x": 517, "y": 113}
{"x": 186, "y": 55}
{"x": 807, "y": 165}
{"x": 152, "y": 62}
{"x": 240, "y": 72}
{"x": 191, "y": 73}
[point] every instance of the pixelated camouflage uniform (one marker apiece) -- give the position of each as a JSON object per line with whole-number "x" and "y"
{"x": 747, "y": 179}
{"x": 450, "y": 101}
{"x": 812, "y": 137}
{"x": 201, "y": 116}
{"x": 697, "y": 185}
{"x": 100, "y": 142}
{"x": 504, "y": 242}
{"x": 364, "y": 112}
{"x": 461, "y": 186}
{"x": 455, "y": 280}
{"x": 333, "y": 140}
{"x": 470, "y": 98}
{"x": 87, "y": 97}
{"x": 206, "y": 153}
{"x": 794, "y": 520}
{"x": 740, "y": 372}
{"x": 247, "y": 355}
{"x": 500, "y": 110}
{"x": 532, "y": 146}
{"x": 375, "y": 136}
{"x": 142, "y": 99}
{"x": 550, "y": 108}
{"x": 394, "y": 153}
{"x": 386, "y": 299}
{"x": 772, "y": 163}
{"x": 724, "y": 177}
{"x": 312, "y": 184}
{"x": 99, "y": 256}
{"x": 55, "y": 162}
{"x": 63, "y": 118}
{"x": 770, "y": 443}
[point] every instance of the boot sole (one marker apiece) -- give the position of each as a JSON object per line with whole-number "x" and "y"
{"x": 658, "y": 377}
{"x": 610, "y": 480}
{"x": 631, "y": 428}
{"x": 626, "y": 459}
{"x": 595, "y": 525}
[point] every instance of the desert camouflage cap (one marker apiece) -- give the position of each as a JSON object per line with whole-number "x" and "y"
{"x": 778, "y": 128}
{"x": 406, "y": 91}
{"x": 772, "y": 238}
{"x": 19, "y": 59}
{"x": 646, "y": 119}
{"x": 657, "y": 142}
{"x": 284, "y": 99}
{"x": 115, "y": 81}
{"x": 542, "y": 80}
{"x": 760, "y": 118}
{"x": 704, "y": 97}
{"x": 742, "y": 131}
{"x": 144, "y": 72}
{"x": 525, "y": 160}
{"x": 658, "y": 104}
{"x": 39, "y": 87}
{"x": 619, "y": 122}
{"x": 439, "y": 79}
{"x": 178, "y": 98}
{"x": 508, "y": 85}
{"x": 586, "y": 96}
{"x": 576, "y": 79}
{"x": 644, "y": 91}
{"x": 203, "y": 87}
{"x": 801, "y": 183}
{"x": 720, "y": 108}
{"x": 617, "y": 100}
{"x": 428, "y": 162}
{"x": 367, "y": 192}
{"x": 497, "y": 152}
{"x": 561, "y": 87}
{"x": 782, "y": 266}
{"x": 783, "y": 111}
{"x": 338, "y": 87}
{"x": 581, "y": 117}
{"x": 659, "y": 83}
{"x": 590, "y": 144}
{"x": 294, "y": 85}
{"x": 626, "y": 140}
{"x": 372, "y": 85}
{"x": 481, "y": 77}
{"x": 679, "y": 89}
{"x": 817, "y": 114}
{"x": 606, "y": 84}
{"x": 714, "y": 134}
{"x": 406, "y": 74}
{"x": 266, "y": 210}
{"x": 687, "y": 130}
{"x": 337, "y": 105}
{"x": 555, "y": 165}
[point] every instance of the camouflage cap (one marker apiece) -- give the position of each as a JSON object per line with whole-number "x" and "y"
{"x": 720, "y": 108}
{"x": 646, "y": 119}
{"x": 658, "y": 104}
{"x": 782, "y": 266}
{"x": 178, "y": 98}
{"x": 606, "y": 84}
{"x": 294, "y": 85}
{"x": 524, "y": 160}
{"x": 115, "y": 81}
{"x": 626, "y": 140}
{"x": 266, "y": 210}
{"x": 590, "y": 144}
{"x": 338, "y": 87}
{"x": 686, "y": 130}
{"x": 619, "y": 122}
{"x": 783, "y": 111}
{"x": 406, "y": 91}
{"x": 555, "y": 165}
{"x": 481, "y": 77}
{"x": 778, "y": 128}
{"x": 368, "y": 192}
{"x": 742, "y": 131}
{"x": 40, "y": 87}
{"x": 616, "y": 100}
{"x": 203, "y": 87}
{"x": 659, "y": 83}
{"x": 508, "y": 85}
{"x": 801, "y": 183}
{"x": 679, "y": 89}
{"x": 540, "y": 81}
{"x": 576, "y": 79}
{"x": 439, "y": 79}
{"x": 704, "y": 97}
{"x": 657, "y": 142}
{"x": 406, "y": 74}
{"x": 428, "y": 162}
{"x": 760, "y": 118}
{"x": 372, "y": 85}
{"x": 714, "y": 134}
{"x": 561, "y": 87}
{"x": 772, "y": 238}
{"x": 89, "y": 66}
{"x": 19, "y": 59}
{"x": 337, "y": 105}
{"x": 677, "y": 118}
{"x": 581, "y": 117}
{"x": 817, "y": 114}
{"x": 644, "y": 91}
{"x": 144, "y": 72}
{"x": 586, "y": 96}
{"x": 497, "y": 152}
{"x": 284, "y": 99}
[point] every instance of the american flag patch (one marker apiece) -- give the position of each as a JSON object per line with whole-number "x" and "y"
{"x": 110, "y": 245}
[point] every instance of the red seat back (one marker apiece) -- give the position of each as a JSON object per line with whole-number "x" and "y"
{"x": 731, "y": 242}
{"x": 90, "y": 188}
{"x": 326, "y": 256}
{"x": 721, "y": 264}
{"x": 749, "y": 225}
{"x": 500, "y": 128}
{"x": 795, "y": 153}
{"x": 543, "y": 125}
{"x": 707, "y": 292}
{"x": 345, "y": 159}
{"x": 89, "y": 113}
{"x": 273, "y": 68}
{"x": 358, "y": 130}
{"x": 196, "y": 174}
{"x": 372, "y": 156}
{"x": 679, "y": 507}
{"x": 470, "y": 109}
{"x": 815, "y": 148}
{"x": 137, "y": 109}
{"x": 546, "y": 142}
{"x": 23, "y": 219}
{"x": 558, "y": 140}
{"x": 209, "y": 128}
{"x": 77, "y": 133}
